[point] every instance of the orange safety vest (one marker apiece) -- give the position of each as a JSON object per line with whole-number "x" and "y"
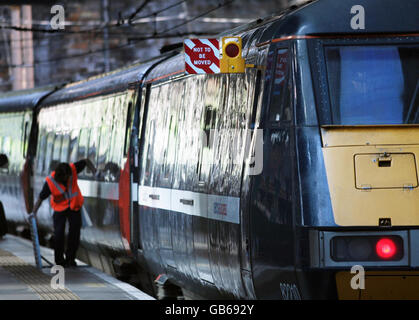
{"x": 63, "y": 197}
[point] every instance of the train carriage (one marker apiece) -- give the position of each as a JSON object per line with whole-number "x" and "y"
{"x": 16, "y": 119}
{"x": 332, "y": 101}
{"x": 267, "y": 184}
{"x": 93, "y": 119}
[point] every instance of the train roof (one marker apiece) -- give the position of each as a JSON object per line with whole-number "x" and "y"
{"x": 313, "y": 18}
{"x": 115, "y": 81}
{"x": 334, "y": 17}
{"x": 323, "y": 17}
{"x": 23, "y": 99}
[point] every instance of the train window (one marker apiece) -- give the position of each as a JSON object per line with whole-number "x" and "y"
{"x": 40, "y": 154}
{"x": 57, "y": 147}
{"x": 4, "y": 161}
{"x": 65, "y": 148}
{"x": 115, "y": 154}
{"x": 229, "y": 140}
{"x": 128, "y": 129}
{"x": 83, "y": 144}
{"x": 56, "y": 152}
{"x": 74, "y": 145}
{"x": 208, "y": 126}
{"x": 93, "y": 148}
{"x": 6, "y": 148}
{"x": 280, "y": 108}
{"x": 373, "y": 84}
{"x": 184, "y": 132}
{"x": 48, "y": 153}
{"x": 104, "y": 144}
{"x": 25, "y": 139}
{"x": 148, "y": 154}
{"x": 171, "y": 147}
{"x": 82, "y": 147}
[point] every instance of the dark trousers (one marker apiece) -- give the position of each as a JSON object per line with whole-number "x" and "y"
{"x": 73, "y": 240}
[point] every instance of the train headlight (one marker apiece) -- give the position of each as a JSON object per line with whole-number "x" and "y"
{"x": 367, "y": 248}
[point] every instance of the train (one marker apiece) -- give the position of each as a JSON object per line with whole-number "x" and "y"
{"x": 268, "y": 184}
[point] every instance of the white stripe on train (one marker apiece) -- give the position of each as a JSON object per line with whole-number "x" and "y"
{"x": 221, "y": 208}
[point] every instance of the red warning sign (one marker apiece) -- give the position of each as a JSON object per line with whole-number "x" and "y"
{"x": 202, "y": 56}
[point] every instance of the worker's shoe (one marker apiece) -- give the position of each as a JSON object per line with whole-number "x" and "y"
{"x": 71, "y": 263}
{"x": 61, "y": 263}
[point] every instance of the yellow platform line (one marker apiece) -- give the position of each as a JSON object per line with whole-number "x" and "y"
{"x": 38, "y": 281}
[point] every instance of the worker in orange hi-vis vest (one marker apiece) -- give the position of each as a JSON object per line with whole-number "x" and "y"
{"x": 66, "y": 201}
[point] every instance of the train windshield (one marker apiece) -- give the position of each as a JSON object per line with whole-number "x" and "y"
{"x": 372, "y": 85}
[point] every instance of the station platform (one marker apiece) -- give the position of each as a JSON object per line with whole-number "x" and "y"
{"x": 20, "y": 279}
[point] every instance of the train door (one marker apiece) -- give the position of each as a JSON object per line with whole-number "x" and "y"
{"x": 137, "y": 143}
{"x": 27, "y": 172}
{"x": 271, "y": 202}
{"x": 154, "y": 234}
{"x": 254, "y": 145}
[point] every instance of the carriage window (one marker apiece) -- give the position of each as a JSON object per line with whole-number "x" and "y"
{"x": 373, "y": 84}
{"x": 48, "y": 153}
{"x": 74, "y": 145}
{"x": 7, "y": 142}
{"x": 148, "y": 158}
{"x": 83, "y": 142}
{"x": 41, "y": 151}
{"x": 56, "y": 152}
{"x": 280, "y": 109}
{"x": 57, "y": 148}
{"x": 128, "y": 129}
{"x": 105, "y": 139}
{"x": 25, "y": 139}
{"x": 82, "y": 148}
{"x": 230, "y": 140}
{"x": 213, "y": 94}
{"x": 65, "y": 148}
{"x": 93, "y": 148}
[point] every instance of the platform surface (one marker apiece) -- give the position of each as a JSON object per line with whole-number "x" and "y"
{"x": 21, "y": 280}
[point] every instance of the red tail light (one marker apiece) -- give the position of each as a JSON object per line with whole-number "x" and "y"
{"x": 386, "y": 248}
{"x": 367, "y": 248}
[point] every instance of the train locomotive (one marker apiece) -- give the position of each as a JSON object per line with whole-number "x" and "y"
{"x": 267, "y": 184}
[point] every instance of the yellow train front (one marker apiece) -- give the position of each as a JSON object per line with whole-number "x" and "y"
{"x": 339, "y": 187}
